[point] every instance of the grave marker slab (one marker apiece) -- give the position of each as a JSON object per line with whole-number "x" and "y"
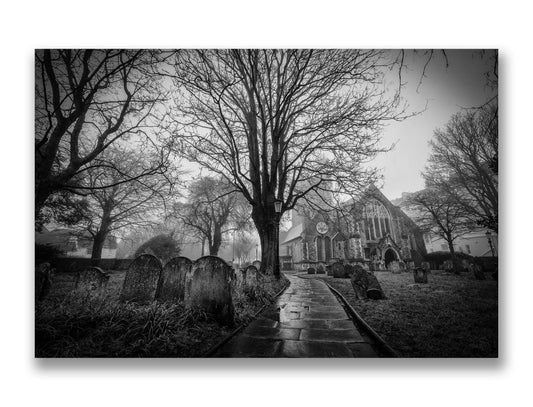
{"x": 210, "y": 288}
{"x": 142, "y": 279}
{"x": 92, "y": 279}
{"x": 173, "y": 280}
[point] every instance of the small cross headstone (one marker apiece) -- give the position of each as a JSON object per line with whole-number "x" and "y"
{"x": 210, "y": 288}
{"x": 173, "y": 280}
{"x": 92, "y": 280}
{"x": 142, "y": 279}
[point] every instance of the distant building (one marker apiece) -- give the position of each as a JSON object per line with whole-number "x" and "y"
{"x": 75, "y": 243}
{"x": 376, "y": 234}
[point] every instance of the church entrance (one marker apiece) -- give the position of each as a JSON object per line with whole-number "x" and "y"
{"x": 390, "y": 255}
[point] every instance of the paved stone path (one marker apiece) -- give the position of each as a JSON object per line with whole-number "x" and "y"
{"x": 306, "y": 321}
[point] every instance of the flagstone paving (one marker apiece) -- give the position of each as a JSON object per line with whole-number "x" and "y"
{"x": 307, "y": 320}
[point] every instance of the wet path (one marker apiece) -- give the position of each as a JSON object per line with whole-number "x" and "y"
{"x": 306, "y": 321}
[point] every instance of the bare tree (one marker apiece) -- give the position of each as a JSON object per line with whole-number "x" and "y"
{"x": 464, "y": 163}
{"x": 212, "y": 209}
{"x": 282, "y": 124}
{"x": 439, "y": 214}
{"x": 85, "y": 101}
{"x": 136, "y": 203}
{"x": 243, "y": 246}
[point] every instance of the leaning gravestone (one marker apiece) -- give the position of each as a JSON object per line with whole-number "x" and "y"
{"x": 210, "y": 288}
{"x": 374, "y": 290}
{"x": 92, "y": 280}
{"x": 173, "y": 280}
{"x": 142, "y": 279}
{"x": 359, "y": 280}
{"x": 310, "y": 270}
{"x": 43, "y": 280}
{"x": 257, "y": 264}
{"x": 421, "y": 275}
{"x": 338, "y": 270}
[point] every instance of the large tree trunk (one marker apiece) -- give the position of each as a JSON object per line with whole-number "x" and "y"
{"x": 98, "y": 245}
{"x": 214, "y": 246}
{"x": 455, "y": 266}
{"x": 268, "y": 230}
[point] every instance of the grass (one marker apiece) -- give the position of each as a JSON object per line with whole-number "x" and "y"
{"x": 451, "y": 316}
{"x": 71, "y": 324}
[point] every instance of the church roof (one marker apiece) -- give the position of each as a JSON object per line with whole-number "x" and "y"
{"x": 294, "y": 233}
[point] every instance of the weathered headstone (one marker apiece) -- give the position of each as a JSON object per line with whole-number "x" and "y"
{"x": 359, "y": 280}
{"x": 311, "y": 270}
{"x": 43, "y": 280}
{"x": 338, "y": 270}
{"x": 421, "y": 275}
{"x": 329, "y": 270}
{"x": 349, "y": 270}
{"x": 374, "y": 290}
{"x": 394, "y": 267}
{"x": 173, "y": 280}
{"x": 92, "y": 280}
{"x": 253, "y": 277}
{"x": 320, "y": 269}
{"x": 142, "y": 279}
{"x": 210, "y": 288}
{"x": 257, "y": 264}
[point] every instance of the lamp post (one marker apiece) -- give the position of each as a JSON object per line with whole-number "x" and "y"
{"x": 489, "y": 238}
{"x": 277, "y": 208}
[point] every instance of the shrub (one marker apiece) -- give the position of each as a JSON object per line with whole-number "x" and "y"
{"x": 162, "y": 246}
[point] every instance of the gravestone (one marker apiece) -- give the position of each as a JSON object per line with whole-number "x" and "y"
{"x": 349, "y": 270}
{"x": 257, "y": 264}
{"x": 329, "y": 270}
{"x": 359, "y": 280}
{"x": 142, "y": 279}
{"x": 43, "y": 280}
{"x": 253, "y": 277}
{"x": 394, "y": 267}
{"x": 374, "y": 290}
{"x": 320, "y": 269}
{"x": 310, "y": 270}
{"x": 420, "y": 275}
{"x": 173, "y": 280}
{"x": 92, "y": 280}
{"x": 210, "y": 288}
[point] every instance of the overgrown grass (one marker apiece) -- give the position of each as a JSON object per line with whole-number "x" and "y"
{"x": 74, "y": 324}
{"x": 451, "y": 316}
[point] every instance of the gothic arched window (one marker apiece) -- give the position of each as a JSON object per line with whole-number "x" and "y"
{"x": 377, "y": 220}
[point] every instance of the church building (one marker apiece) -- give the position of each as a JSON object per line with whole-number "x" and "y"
{"x": 371, "y": 232}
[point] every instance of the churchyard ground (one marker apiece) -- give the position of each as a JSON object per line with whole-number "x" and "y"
{"x": 451, "y": 316}
{"x": 71, "y": 325}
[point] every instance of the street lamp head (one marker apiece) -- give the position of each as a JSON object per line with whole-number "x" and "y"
{"x": 277, "y": 205}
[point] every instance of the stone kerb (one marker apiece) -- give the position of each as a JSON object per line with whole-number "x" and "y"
{"x": 210, "y": 288}
{"x": 173, "y": 280}
{"x": 93, "y": 280}
{"x": 142, "y": 279}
